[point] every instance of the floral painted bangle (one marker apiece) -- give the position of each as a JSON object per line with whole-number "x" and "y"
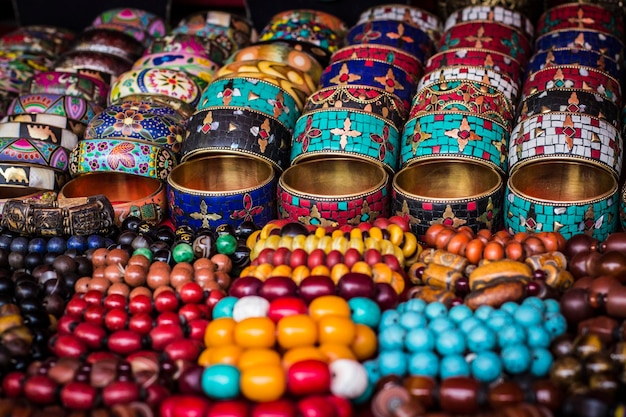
{"x": 566, "y": 135}
{"x": 345, "y": 132}
{"x": 475, "y": 57}
{"x": 563, "y": 195}
{"x": 394, "y": 56}
{"x": 315, "y": 33}
{"x": 158, "y": 104}
{"x": 497, "y": 14}
{"x": 372, "y": 73}
{"x": 199, "y": 67}
{"x": 159, "y": 81}
{"x": 75, "y": 108}
{"x": 190, "y": 44}
{"x": 393, "y": 33}
{"x": 580, "y": 57}
{"x": 459, "y": 134}
{"x": 147, "y": 107}
{"x": 130, "y": 195}
{"x": 237, "y": 130}
{"x": 60, "y": 122}
{"x": 325, "y": 192}
{"x": 415, "y": 16}
{"x": 31, "y": 176}
{"x": 127, "y": 156}
{"x": 501, "y": 81}
{"x": 251, "y": 93}
{"x": 226, "y": 194}
{"x": 151, "y": 23}
{"x": 370, "y": 99}
{"x": 45, "y": 133}
{"x": 578, "y": 15}
{"x": 71, "y": 84}
{"x": 33, "y": 151}
{"x": 106, "y": 41}
{"x": 104, "y": 66}
{"x": 581, "y": 38}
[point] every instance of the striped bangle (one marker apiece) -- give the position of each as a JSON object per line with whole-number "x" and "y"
{"x": 567, "y": 56}
{"x": 31, "y": 175}
{"x": 45, "y": 133}
{"x": 74, "y": 108}
{"x": 493, "y": 60}
{"x": 33, "y": 151}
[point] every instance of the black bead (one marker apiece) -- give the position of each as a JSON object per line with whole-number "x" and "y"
{"x": 141, "y": 241}
{"x": 165, "y": 234}
{"x": 16, "y": 260}
{"x": 159, "y": 245}
{"x": 33, "y": 260}
{"x": 127, "y": 237}
{"x": 293, "y": 229}
{"x": 131, "y": 223}
{"x": 225, "y": 229}
{"x": 147, "y": 229}
{"x": 163, "y": 255}
{"x": 245, "y": 229}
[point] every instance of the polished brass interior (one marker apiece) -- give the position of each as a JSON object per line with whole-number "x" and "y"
{"x": 334, "y": 177}
{"x": 562, "y": 180}
{"x": 118, "y": 187}
{"x": 221, "y": 173}
{"x": 447, "y": 179}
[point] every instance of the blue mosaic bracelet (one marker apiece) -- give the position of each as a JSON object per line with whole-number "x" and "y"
{"x": 569, "y": 56}
{"x": 580, "y": 38}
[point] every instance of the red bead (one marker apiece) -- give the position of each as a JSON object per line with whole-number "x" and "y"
{"x": 343, "y": 406}
{"x": 166, "y": 301}
{"x": 94, "y": 314}
{"x": 67, "y": 345}
{"x": 190, "y": 312}
{"x": 191, "y": 293}
{"x": 140, "y": 304}
{"x": 90, "y": 334}
{"x": 168, "y": 318}
{"x": 93, "y": 297}
{"x": 197, "y": 328}
{"x": 140, "y": 323}
{"x": 115, "y": 301}
{"x": 204, "y": 310}
{"x": 233, "y": 408}
{"x": 67, "y": 323}
{"x": 184, "y": 349}
{"x": 76, "y": 306}
{"x": 115, "y": 320}
{"x": 78, "y": 396}
{"x": 40, "y": 389}
{"x": 155, "y": 394}
{"x": 308, "y": 377}
{"x": 12, "y": 384}
{"x": 120, "y": 392}
{"x": 213, "y": 297}
{"x": 94, "y": 357}
{"x": 316, "y": 406}
{"x": 185, "y": 406}
{"x": 287, "y": 306}
{"x": 124, "y": 342}
{"x": 190, "y": 379}
{"x": 164, "y": 334}
{"x": 278, "y": 408}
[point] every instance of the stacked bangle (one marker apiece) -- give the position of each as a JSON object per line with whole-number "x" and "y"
{"x": 37, "y": 39}
{"x": 200, "y": 69}
{"x": 147, "y": 106}
{"x": 34, "y": 151}
{"x": 159, "y": 101}
{"x": 104, "y": 66}
{"x": 75, "y": 108}
{"x": 316, "y": 16}
{"x": 476, "y": 57}
{"x": 495, "y": 13}
{"x": 312, "y": 32}
{"x": 386, "y": 53}
{"x": 106, "y": 41}
{"x": 16, "y": 68}
{"x": 25, "y": 175}
{"x": 24, "y": 193}
{"x": 579, "y": 57}
{"x": 415, "y": 16}
{"x": 577, "y": 15}
{"x": 192, "y": 44}
{"x": 581, "y": 38}
{"x": 46, "y": 133}
{"x": 231, "y": 30}
{"x": 60, "y": 122}
{"x": 71, "y": 84}
{"x": 151, "y": 23}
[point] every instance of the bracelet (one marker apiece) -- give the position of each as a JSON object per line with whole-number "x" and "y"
{"x": 24, "y": 193}
{"x": 60, "y": 122}
{"x": 160, "y": 81}
{"x": 151, "y": 23}
{"x": 588, "y": 204}
{"x": 74, "y": 108}
{"x": 386, "y": 53}
{"x": 202, "y": 69}
{"x": 345, "y": 132}
{"x": 31, "y": 176}
{"x": 16, "y": 68}
{"x": 191, "y": 44}
{"x": 130, "y": 195}
{"x": 96, "y": 39}
{"x": 225, "y": 194}
{"x": 157, "y": 104}
{"x": 47, "y": 40}
{"x": 494, "y": 13}
{"x": 148, "y": 106}
{"x": 580, "y": 57}
{"x": 312, "y": 32}
{"x": 415, "y": 16}
{"x": 237, "y": 130}
{"x": 232, "y": 30}
{"x": 499, "y": 80}
{"x": 45, "y": 133}
{"x": 316, "y": 16}
{"x": 34, "y": 151}
{"x": 567, "y": 135}
{"x": 475, "y": 57}
{"x": 580, "y": 38}
{"x": 459, "y": 134}
{"x": 121, "y": 155}
{"x": 578, "y": 15}
{"x": 72, "y": 217}
{"x": 104, "y": 66}
{"x": 251, "y": 93}
{"x": 71, "y": 84}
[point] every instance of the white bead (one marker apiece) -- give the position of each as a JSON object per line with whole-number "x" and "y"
{"x": 348, "y": 378}
{"x": 250, "y": 306}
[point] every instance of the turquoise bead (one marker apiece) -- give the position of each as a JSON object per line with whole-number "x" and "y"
{"x": 183, "y": 252}
{"x": 515, "y": 359}
{"x": 145, "y": 252}
{"x": 481, "y": 338}
{"x": 419, "y": 340}
{"x": 535, "y": 302}
{"x": 509, "y": 307}
{"x": 373, "y": 371}
{"x": 364, "y": 311}
{"x": 528, "y": 315}
{"x": 224, "y": 307}
{"x": 513, "y": 334}
{"x": 392, "y": 362}
{"x": 483, "y": 312}
{"x": 538, "y": 336}
{"x": 221, "y": 382}
{"x": 460, "y": 313}
{"x": 486, "y": 366}
{"x": 441, "y": 324}
{"x": 498, "y": 319}
{"x": 391, "y": 337}
{"x": 453, "y": 365}
{"x": 541, "y": 362}
{"x": 555, "y": 324}
{"x": 388, "y": 318}
{"x": 552, "y": 306}
{"x": 226, "y": 244}
{"x": 467, "y": 325}
{"x": 412, "y": 320}
{"x": 435, "y": 309}
{"x": 450, "y": 342}
{"x": 401, "y": 308}
{"x": 415, "y": 304}
{"x": 424, "y": 363}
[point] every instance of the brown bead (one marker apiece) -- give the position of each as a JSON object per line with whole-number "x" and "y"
{"x": 613, "y": 263}
{"x": 222, "y": 262}
{"x": 113, "y": 273}
{"x": 388, "y": 398}
{"x": 119, "y": 288}
{"x": 99, "y": 256}
{"x": 615, "y": 304}
{"x": 602, "y": 326}
{"x": 103, "y": 372}
{"x": 117, "y": 257}
{"x": 587, "y": 344}
{"x": 421, "y": 388}
{"x": 64, "y": 370}
{"x": 409, "y": 409}
{"x": 548, "y": 394}
{"x": 223, "y": 279}
{"x": 575, "y": 305}
{"x": 135, "y": 275}
{"x": 140, "y": 291}
{"x": 81, "y": 285}
{"x": 139, "y": 260}
{"x": 459, "y": 395}
{"x": 603, "y": 284}
{"x": 180, "y": 276}
{"x": 584, "y": 282}
{"x": 159, "y": 290}
{"x": 566, "y": 370}
{"x": 584, "y": 264}
{"x": 580, "y": 243}
{"x": 202, "y": 263}
{"x": 99, "y": 284}
{"x": 158, "y": 278}
{"x": 504, "y": 394}
{"x": 605, "y": 384}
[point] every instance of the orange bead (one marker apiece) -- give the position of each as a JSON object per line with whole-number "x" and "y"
{"x": 362, "y": 267}
{"x": 333, "y": 351}
{"x": 255, "y": 332}
{"x": 365, "y": 342}
{"x": 397, "y": 282}
{"x": 493, "y": 251}
{"x": 336, "y": 329}
{"x": 338, "y": 271}
{"x": 263, "y": 383}
{"x": 257, "y": 357}
{"x": 297, "y": 330}
{"x": 263, "y": 271}
{"x": 205, "y": 357}
{"x": 281, "y": 271}
{"x": 225, "y": 355}
{"x": 302, "y": 353}
{"x": 299, "y": 273}
{"x": 320, "y": 270}
{"x": 381, "y": 272}
{"x": 220, "y": 332}
{"x": 328, "y": 305}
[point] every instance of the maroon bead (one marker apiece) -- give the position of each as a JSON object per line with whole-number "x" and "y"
{"x": 184, "y": 349}
{"x": 63, "y": 345}
{"x": 603, "y": 326}
{"x": 575, "y": 306}
{"x": 278, "y": 408}
{"x": 315, "y": 406}
{"x": 117, "y": 301}
{"x": 76, "y": 306}
{"x": 78, "y": 396}
{"x": 548, "y": 394}
{"x": 120, "y": 392}
{"x": 124, "y": 342}
{"x": 140, "y": 323}
{"x": 386, "y": 296}
{"x": 243, "y": 286}
{"x": 190, "y": 312}
{"x": 94, "y": 314}
{"x": 459, "y": 395}
{"x": 165, "y": 334}
{"x": 191, "y": 293}
{"x": 504, "y": 394}
{"x": 67, "y": 323}
{"x": 40, "y": 389}
{"x": 580, "y": 243}
{"x": 90, "y": 334}
{"x": 115, "y": 320}
{"x": 343, "y": 407}
{"x": 168, "y": 318}
{"x": 93, "y": 297}
{"x": 12, "y": 384}
{"x": 64, "y": 370}
{"x": 140, "y": 304}
{"x": 616, "y": 303}
{"x": 204, "y": 310}
{"x": 188, "y": 406}
{"x": 461, "y": 286}
{"x": 155, "y": 394}
{"x": 612, "y": 263}
{"x": 190, "y": 380}
{"x": 166, "y": 301}
{"x": 197, "y": 328}
{"x": 232, "y": 408}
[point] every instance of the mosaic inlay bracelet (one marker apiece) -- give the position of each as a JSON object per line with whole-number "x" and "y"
{"x": 128, "y": 156}
{"x": 501, "y": 81}
{"x": 394, "y": 56}
{"x": 567, "y": 135}
{"x": 415, "y": 16}
{"x": 221, "y": 26}
{"x": 336, "y": 131}
{"x": 71, "y": 84}
{"x": 575, "y": 38}
{"x": 315, "y": 33}
{"x": 237, "y": 130}
{"x": 252, "y": 93}
{"x": 578, "y": 15}
{"x": 33, "y": 151}
{"x": 31, "y": 175}
{"x": 466, "y": 135}
{"x": 475, "y": 58}
{"x": 46, "y": 133}
{"x": 567, "y": 56}
{"x": 494, "y": 14}
{"x": 75, "y": 108}
{"x": 317, "y": 16}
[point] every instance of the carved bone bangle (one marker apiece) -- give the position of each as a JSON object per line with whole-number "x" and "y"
{"x": 31, "y": 176}
{"x": 46, "y": 133}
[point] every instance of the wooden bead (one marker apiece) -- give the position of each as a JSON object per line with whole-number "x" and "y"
{"x": 603, "y": 326}
{"x": 422, "y": 389}
{"x": 504, "y": 394}
{"x": 548, "y": 394}
{"x": 120, "y": 392}
{"x": 459, "y": 395}
{"x": 40, "y": 389}
{"x": 78, "y": 396}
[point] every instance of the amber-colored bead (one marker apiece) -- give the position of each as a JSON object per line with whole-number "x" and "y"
{"x": 548, "y": 394}
{"x": 421, "y": 388}
{"x": 562, "y": 345}
{"x": 459, "y": 395}
{"x": 505, "y": 393}
{"x": 618, "y": 353}
{"x": 602, "y": 326}
{"x": 587, "y": 344}
{"x": 566, "y": 370}
{"x": 604, "y": 386}
{"x": 599, "y": 363}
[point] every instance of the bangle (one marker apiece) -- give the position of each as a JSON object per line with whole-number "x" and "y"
{"x": 538, "y": 199}
{"x": 580, "y": 57}
{"x": 31, "y": 176}
{"x": 106, "y": 41}
{"x": 398, "y": 34}
{"x": 475, "y": 57}
{"x": 494, "y": 13}
{"x": 566, "y": 135}
{"x": 346, "y": 132}
{"x": 45, "y": 133}
{"x": 103, "y": 66}
{"x": 158, "y": 103}
{"x": 60, "y": 122}
{"x": 77, "y": 217}
{"x": 148, "y": 106}
{"x": 415, "y": 16}
{"x": 33, "y": 151}
{"x": 316, "y": 16}
{"x": 24, "y": 193}
{"x": 191, "y": 44}
{"x": 458, "y": 134}
{"x": 224, "y": 194}
{"x": 160, "y": 81}
{"x": 231, "y": 30}
{"x": 452, "y": 191}
{"x": 16, "y": 68}
{"x": 326, "y": 192}
{"x": 71, "y": 84}
{"x": 581, "y": 38}
{"x": 37, "y": 39}
{"x": 201, "y": 69}
{"x": 237, "y": 130}
{"x": 394, "y": 56}
{"x": 151, "y": 23}
{"x": 121, "y": 155}
{"x": 251, "y": 93}
{"x": 577, "y": 15}
{"x": 74, "y": 108}
{"x": 130, "y": 195}
{"x": 297, "y": 30}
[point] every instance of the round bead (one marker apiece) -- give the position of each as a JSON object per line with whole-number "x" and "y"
{"x": 372, "y": 369}
{"x": 555, "y": 324}
{"x": 509, "y": 307}
{"x": 365, "y": 341}
{"x": 412, "y": 320}
{"x": 263, "y": 383}
{"x": 19, "y": 244}
{"x": 392, "y": 337}
{"x": 57, "y": 245}
{"x": 481, "y": 338}
{"x": 258, "y": 357}
{"x": 389, "y": 317}
{"x": 441, "y": 324}
{"x": 336, "y": 330}
{"x": 250, "y": 306}
{"x": 349, "y": 378}
{"x": 450, "y": 342}
{"x": 453, "y": 365}
{"x": 220, "y": 332}
{"x": 498, "y": 319}
{"x": 221, "y": 381}
{"x": 415, "y": 304}
{"x": 420, "y": 340}
{"x": 38, "y": 245}
{"x": 95, "y": 242}
{"x": 5, "y": 242}
{"x": 535, "y": 302}
{"x": 145, "y": 252}
{"x": 435, "y": 309}
{"x": 392, "y": 362}
{"x": 541, "y": 362}
{"x": 224, "y": 307}
{"x": 226, "y": 244}
{"x": 425, "y": 363}
{"x": 513, "y": 334}
{"x": 467, "y": 325}
{"x": 460, "y": 313}
{"x": 77, "y": 242}
{"x": 328, "y": 305}
{"x": 538, "y": 336}
{"x": 552, "y": 306}
{"x": 183, "y": 252}
{"x": 528, "y": 315}
{"x": 297, "y": 330}
{"x": 486, "y": 366}
{"x": 483, "y": 312}
{"x": 364, "y": 311}
{"x": 515, "y": 359}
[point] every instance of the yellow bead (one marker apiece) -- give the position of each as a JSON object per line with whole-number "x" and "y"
{"x": 340, "y": 244}
{"x": 320, "y": 232}
{"x": 371, "y": 243}
{"x": 298, "y": 242}
{"x": 338, "y": 271}
{"x": 295, "y": 331}
{"x": 253, "y": 238}
{"x": 328, "y": 305}
{"x": 375, "y": 233}
{"x": 325, "y": 243}
{"x": 365, "y": 342}
{"x": 255, "y": 332}
{"x": 396, "y": 234}
{"x": 356, "y": 233}
{"x": 333, "y": 351}
{"x": 220, "y": 332}
{"x": 285, "y": 242}
{"x": 386, "y": 247}
{"x": 299, "y": 273}
{"x": 257, "y": 357}
{"x": 410, "y": 244}
{"x": 357, "y": 244}
{"x": 302, "y": 353}
{"x": 336, "y": 329}
{"x": 311, "y": 243}
{"x": 205, "y": 357}
{"x": 336, "y": 234}
{"x": 263, "y": 383}
{"x": 267, "y": 229}
{"x": 272, "y": 241}
{"x": 320, "y": 270}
